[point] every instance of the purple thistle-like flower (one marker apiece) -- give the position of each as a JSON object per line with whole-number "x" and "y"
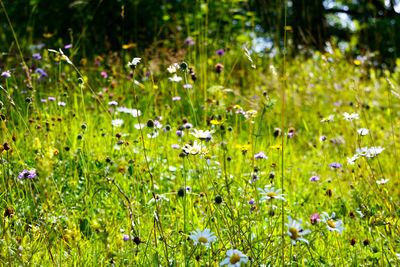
{"x": 220, "y": 52}
{"x": 260, "y": 155}
{"x": 175, "y": 146}
{"x": 51, "y": 98}
{"x": 37, "y": 56}
{"x": 68, "y": 46}
{"x": 189, "y": 41}
{"x": 28, "y": 174}
{"x": 120, "y": 142}
{"x": 335, "y": 165}
{"x": 6, "y": 74}
{"x": 255, "y": 177}
{"x": 188, "y": 125}
{"x": 43, "y": 100}
{"x": 252, "y": 202}
{"x": 180, "y": 133}
{"x": 125, "y": 237}
{"x": 176, "y": 98}
{"x": 41, "y": 72}
{"x": 314, "y": 178}
{"x": 187, "y": 86}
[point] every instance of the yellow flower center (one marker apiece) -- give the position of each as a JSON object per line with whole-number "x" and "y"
{"x": 271, "y": 194}
{"x": 234, "y": 259}
{"x": 294, "y": 232}
{"x": 331, "y": 224}
{"x": 203, "y": 240}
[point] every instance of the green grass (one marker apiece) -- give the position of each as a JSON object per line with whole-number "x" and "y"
{"x": 87, "y": 194}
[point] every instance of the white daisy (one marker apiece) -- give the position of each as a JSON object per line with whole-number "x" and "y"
{"x": 175, "y": 78}
{"x": 362, "y": 151}
{"x": 295, "y": 231}
{"x": 328, "y": 119}
{"x": 134, "y": 62}
{"x": 153, "y": 134}
{"x": 158, "y": 198}
{"x": 203, "y": 238}
{"x": 195, "y": 149}
{"x": 271, "y": 194}
{"x": 374, "y": 151}
{"x": 353, "y": 159}
{"x": 134, "y": 112}
{"x": 117, "y": 122}
{"x": 332, "y": 225}
{"x": 382, "y": 181}
{"x": 202, "y": 135}
{"x": 350, "y": 117}
{"x": 173, "y": 68}
{"x": 140, "y": 126}
{"x": 234, "y": 258}
{"x": 363, "y": 131}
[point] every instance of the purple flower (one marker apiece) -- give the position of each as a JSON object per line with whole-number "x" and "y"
{"x": 335, "y": 165}
{"x": 290, "y": 134}
{"x": 180, "y": 133}
{"x": 43, "y": 100}
{"x": 24, "y": 92}
{"x": 51, "y": 98}
{"x": 41, "y": 72}
{"x": 189, "y": 41}
{"x": 6, "y": 74}
{"x": 260, "y": 155}
{"x": 175, "y": 146}
{"x": 314, "y": 218}
{"x": 68, "y": 46}
{"x": 104, "y": 74}
{"x": 188, "y": 125}
{"x": 252, "y": 202}
{"x": 147, "y": 73}
{"x": 30, "y": 174}
{"x": 176, "y": 98}
{"x": 60, "y": 103}
{"x": 255, "y": 177}
{"x": 37, "y": 56}
{"x": 314, "y": 178}
{"x": 125, "y": 237}
{"x": 187, "y": 86}
{"x": 120, "y": 142}
{"x": 97, "y": 63}
{"x": 220, "y": 52}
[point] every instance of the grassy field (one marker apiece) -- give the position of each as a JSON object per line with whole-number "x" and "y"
{"x": 218, "y": 157}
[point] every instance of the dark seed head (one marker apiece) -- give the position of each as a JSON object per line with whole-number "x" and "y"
{"x": 137, "y": 240}
{"x": 366, "y": 242}
{"x": 353, "y": 241}
{"x": 150, "y": 123}
{"x": 181, "y": 192}
{"x": 218, "y": 199}
{"x": 277, "y": 132}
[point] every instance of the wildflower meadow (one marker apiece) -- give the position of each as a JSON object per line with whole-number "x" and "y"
{"x": 198, "y": 150}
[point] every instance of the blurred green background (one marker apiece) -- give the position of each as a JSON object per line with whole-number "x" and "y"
{"x": 361, "y": 28}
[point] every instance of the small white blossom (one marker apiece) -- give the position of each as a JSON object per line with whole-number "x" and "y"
{"x": 175, "y": 78}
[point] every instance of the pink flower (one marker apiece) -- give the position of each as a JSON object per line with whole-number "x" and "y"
{"x": 314, "y": 218}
